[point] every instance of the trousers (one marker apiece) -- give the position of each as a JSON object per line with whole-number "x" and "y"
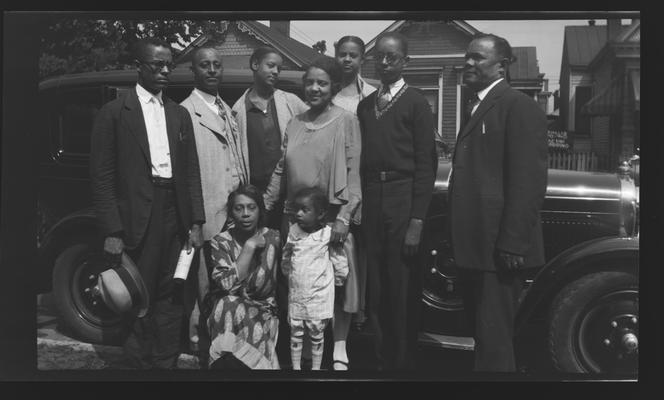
{"x": 491, "y": 301}
{"x": 154, "y": 340}
{"x": 393, "y": 281}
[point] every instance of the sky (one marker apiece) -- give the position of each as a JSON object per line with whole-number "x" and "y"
{"x": 545, "y": 35}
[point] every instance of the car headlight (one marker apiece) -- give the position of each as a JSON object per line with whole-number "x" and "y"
{"x": 629, "y": 205}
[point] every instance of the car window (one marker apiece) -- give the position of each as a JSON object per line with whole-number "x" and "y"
{"x": 74, "y": 114}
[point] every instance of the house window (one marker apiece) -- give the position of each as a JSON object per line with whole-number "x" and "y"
{"x": 429, "y": 81}
{"x": 74, "y": 116}
{"x": 581, "y": 121}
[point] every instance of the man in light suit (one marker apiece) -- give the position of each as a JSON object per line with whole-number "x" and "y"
{"x": 222, "y": 170}
{"x": 497, "y": 186}
{"x": 147, "y": 196}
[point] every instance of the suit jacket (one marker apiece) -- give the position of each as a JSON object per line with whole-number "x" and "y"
{"x": 499, "y": 181}
{"x": 287, "y": 104}
{"x": 120, "y": 168}
{"x": 215, "y": 144}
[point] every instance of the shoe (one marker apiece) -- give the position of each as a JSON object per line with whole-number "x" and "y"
{"x": 337, "y": 363}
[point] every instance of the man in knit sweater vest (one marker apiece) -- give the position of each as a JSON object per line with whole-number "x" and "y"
{"x": 398, "y": 168}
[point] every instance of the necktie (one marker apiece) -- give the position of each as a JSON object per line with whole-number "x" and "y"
{"x": 384, "y": 98}
{"x": 472, "y": 102}
{"x": 220, "y": 107}
{"x": 232, "y": 143}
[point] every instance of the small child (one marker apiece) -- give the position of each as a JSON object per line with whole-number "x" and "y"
{"x": 313, "y": 268}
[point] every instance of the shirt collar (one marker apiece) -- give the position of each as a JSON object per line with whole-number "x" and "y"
{"x": 250, "y": 104}
{"x": 297, "y": 233}
{"x": 206, "y": 97}
{"x": 145, "y": 96}
{"x": 482, "y": 93}
{"x": 394, "y": 86}
{"x": 364, "y": 88}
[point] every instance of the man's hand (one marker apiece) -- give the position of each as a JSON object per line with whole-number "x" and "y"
{"x": 113, "y": 245}
{"x": 510, "y": 261}
{"x": 411, "y": 242}
{"x": 339, "y": 232}
{"x": 195, "y": 237}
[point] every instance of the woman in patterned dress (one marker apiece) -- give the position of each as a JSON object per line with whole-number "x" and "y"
{"x": 243, "y": 323}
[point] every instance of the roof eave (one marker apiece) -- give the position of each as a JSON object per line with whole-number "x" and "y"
{"x": 461, "y": 25}
{"x": 293, "y": 57}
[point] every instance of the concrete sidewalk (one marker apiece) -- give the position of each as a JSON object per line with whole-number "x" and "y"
{"x": 59, "y": 354}
{"x": 58, "y": 350}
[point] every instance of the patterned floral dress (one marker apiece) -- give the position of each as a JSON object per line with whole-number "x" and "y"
{"x": 245, "y": 321}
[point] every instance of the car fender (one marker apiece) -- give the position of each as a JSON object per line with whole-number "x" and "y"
{"x": 593, "y": 255}
{"x": 82, "y": 223}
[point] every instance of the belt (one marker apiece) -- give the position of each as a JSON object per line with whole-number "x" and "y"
{"x": 386, "y": 176}
{"x": 163, "y": 182}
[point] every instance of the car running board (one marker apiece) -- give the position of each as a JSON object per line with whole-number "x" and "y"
{"x": 448, "y": 342}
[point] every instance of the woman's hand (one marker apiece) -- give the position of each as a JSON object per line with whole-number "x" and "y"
{"x": 339, "y": 232}
{"x": 257, "y": 241}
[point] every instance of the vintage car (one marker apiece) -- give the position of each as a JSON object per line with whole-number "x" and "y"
{"x": 581, "y": 307}
{"x": 580, "y": 310}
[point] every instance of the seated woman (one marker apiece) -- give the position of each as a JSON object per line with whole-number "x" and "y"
{"x": 243, "y": 323}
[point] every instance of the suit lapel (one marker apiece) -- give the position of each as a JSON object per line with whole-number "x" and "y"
{"x": 172, "y": 129}
{"x": 136, "y": 123}
{"x": 208, "y": 118}
{"x": 485, "y": 105}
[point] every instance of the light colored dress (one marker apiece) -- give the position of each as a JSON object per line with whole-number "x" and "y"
{"x": 245, "y": 322}
{"x": 354, "y": 293}
{"x": 350, "y": 103}
{"x": 326, "y": 156}
{"x": 313, "y": 268}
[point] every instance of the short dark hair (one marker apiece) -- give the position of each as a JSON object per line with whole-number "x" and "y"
{"x": 206, "y": 46}
{"x": 139, "y": 47}
{"x": 317, "y": 196}
{"x": 253, "y": 193}
{"x": 259, "y": 54}
{"x": 352, "y": 39}
{"x": 331, "y": 67}
{"x": 403, "y": 41}
{"x": 501, "y": 45}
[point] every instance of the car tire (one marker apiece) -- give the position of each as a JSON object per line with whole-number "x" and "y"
{"x": 84, "y": 313}
{"x": 593, "y": 324}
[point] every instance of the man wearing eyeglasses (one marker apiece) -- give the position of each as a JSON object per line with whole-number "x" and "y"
{"x": 147, "y": 196}
{"x": 398, "y": 166}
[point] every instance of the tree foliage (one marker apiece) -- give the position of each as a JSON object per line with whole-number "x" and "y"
{"x": 70, "y": 45}
{"x": 320, "y": 46}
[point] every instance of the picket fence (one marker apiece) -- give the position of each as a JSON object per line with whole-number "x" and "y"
{"x": 577, "y": 161}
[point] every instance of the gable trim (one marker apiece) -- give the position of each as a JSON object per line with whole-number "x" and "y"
{"x": 459, "y": 24}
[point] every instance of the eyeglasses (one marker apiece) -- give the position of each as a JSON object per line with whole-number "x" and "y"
{"x": 390, "y": 58}
{"x": 157, "y": 66}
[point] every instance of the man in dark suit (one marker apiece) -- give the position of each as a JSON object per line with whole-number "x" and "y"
{"x": 147, "y": 196}
{"x": 497, "y": 186}
{"x": 398, "y": 165}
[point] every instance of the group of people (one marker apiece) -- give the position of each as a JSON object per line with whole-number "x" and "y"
{"x": 310, "y": 213}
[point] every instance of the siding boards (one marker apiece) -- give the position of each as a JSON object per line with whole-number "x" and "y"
{"x": 600, "y": 137}
{"x": 435, "y": 37}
